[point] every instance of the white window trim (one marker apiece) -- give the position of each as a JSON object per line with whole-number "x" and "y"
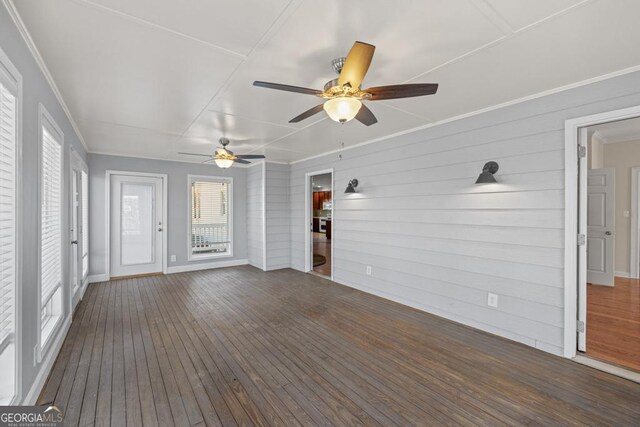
{"x": 229, "y": 180}
{"x": 12, "y": 78}
{"x": 42, "y": 348}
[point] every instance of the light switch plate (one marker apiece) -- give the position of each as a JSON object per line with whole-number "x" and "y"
{"x": 368, "y": 271}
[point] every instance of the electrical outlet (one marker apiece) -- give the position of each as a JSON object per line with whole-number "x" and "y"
{"x": 626, "y": 214}
{"x": 173, "y": 258}
{"x": 492, "y": 300}
{"x": 368, "y": 270}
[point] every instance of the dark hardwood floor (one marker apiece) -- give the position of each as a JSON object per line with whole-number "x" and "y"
{"x": 613, "y": 323}
{"x": 238, "y": 346}
{"x": 322, "y": 246}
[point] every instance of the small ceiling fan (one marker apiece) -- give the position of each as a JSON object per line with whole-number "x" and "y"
{"x": 343, "y": 95}
{"x": 225, "y": 158}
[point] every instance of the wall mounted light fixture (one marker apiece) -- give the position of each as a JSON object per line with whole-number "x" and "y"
{"x": 486, "y": 177}
{"x": 351, "y": 187}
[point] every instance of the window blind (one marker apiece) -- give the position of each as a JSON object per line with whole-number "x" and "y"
{"x": 51, "y": 216}
{"x": 8, "y": 140}
{"x": 85, "y": 223}
{"x": 210, "y": 227}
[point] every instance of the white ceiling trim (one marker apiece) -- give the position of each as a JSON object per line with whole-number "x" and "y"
{"x": 607, "y": 141}
{"x": 144, "y": 22}
{"x": 494, "y": 16}
{"x": 481, "y": 111}
{"x": 13, "y": 12}
{"x": 291, "y": 7}
{"x": 555, "y": 15}
{"x": 495, "y": 20}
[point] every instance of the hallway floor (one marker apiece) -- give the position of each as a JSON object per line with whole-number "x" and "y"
{"x": 613, "y": 323}
{"x": 322, "y": 246}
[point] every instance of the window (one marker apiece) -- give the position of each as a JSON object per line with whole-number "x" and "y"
{"x": 50, "y": 228}
{"x": 85, "y": 223}
{"x": 9, "y": 272}
{"x": 210, "y": 226}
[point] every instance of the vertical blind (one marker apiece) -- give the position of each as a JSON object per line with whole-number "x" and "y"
{"x": 8, "y": 139}
{"x": 85, "y": 223}
{"x": 51, "y": 214}
{"x": 209, "y": 217}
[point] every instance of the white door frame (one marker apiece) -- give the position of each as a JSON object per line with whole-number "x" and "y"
{"x": 634, "y": 255}
{"x": 165, "y": 179}
{"x": 78, "y": 164}
{"x": 308, "y": 208}
{"x": 572, "y": 252}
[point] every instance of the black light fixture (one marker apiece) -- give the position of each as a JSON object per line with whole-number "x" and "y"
{"x": 486, "y": 177}
{"x": 351, "y": 187}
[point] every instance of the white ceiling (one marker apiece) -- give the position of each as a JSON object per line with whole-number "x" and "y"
{"x": 620, "y": 131}
{"x": 151, "y": 78}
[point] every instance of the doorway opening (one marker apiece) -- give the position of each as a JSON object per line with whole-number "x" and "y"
{"x": 609, "y": 280}
{"x": 136, "y": 229}
{"x": 320, "y": 220}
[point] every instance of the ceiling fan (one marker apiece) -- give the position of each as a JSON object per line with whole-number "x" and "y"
{"x": 343, "y": 95}
{"x": 225, "y": 158}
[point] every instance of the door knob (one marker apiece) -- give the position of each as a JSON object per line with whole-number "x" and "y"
{"x": 159, "y": 229}
{"x": 608, "y": 233}
{"x": 74, "y": 242}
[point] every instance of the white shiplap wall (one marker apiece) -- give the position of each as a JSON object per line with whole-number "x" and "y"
{"x": 278, "y": 210}
{"x": 438, "y": 242}
{"x": 255, "y": 215}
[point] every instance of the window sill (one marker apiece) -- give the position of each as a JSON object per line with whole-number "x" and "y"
{"x": 49, "y": 330}
{"x": 195, "y": 258}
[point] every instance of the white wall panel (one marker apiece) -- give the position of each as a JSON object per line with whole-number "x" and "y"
{"x": 278, "y": 210}
{"x": 437, "y": 241}
{"x": 255, "y": 216}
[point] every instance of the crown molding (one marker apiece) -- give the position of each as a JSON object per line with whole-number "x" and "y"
{"x": 17, "y": 20}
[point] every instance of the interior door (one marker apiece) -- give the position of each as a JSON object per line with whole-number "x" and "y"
{"x": 600, "y": 226}
{"x": 136, "y": 225}
{"x": 74, "y": 272}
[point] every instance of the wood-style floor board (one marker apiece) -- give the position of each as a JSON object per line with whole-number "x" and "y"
{"x": 239, "y": 346}
{"x": 613, "y": 323}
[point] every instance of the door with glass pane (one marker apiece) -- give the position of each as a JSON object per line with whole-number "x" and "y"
{"x": 136, "y": 225}
{"x": 79, "y": 227}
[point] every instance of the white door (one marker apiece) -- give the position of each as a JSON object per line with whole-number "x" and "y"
{"x": 136, "y": 225}
{"x": 76, "y": 240}
{"x": 600, "y": 226}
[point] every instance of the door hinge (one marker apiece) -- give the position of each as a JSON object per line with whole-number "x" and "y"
{"x": 582, "y": 239}
{"x": 582, "y": 151}
{"x": 580, "y": 326}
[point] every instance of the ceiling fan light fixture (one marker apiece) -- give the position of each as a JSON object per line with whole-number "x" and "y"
{"x": 342, "y": 109}
{"x": 224, "y": 163}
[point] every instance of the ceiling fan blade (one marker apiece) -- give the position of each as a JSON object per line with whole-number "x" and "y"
{"x": 310, "y": 112}
{"x": 365, "y": 116}
{"x": 196, "y": 154}
{"x": 356, "y": 65}
{"x": 250, "y": 156}
{"x": 288, "y": 88}
{"x": 401, "y": 91}
{"x": 244, "y": 162}
{"x": 207, "y": 161}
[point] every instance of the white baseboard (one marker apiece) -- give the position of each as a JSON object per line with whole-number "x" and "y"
{"x": 624, "y": 274}
{"x": 95, "y": 278}
{"x": 207, "y": 266}
{"x": 47, "y": 365}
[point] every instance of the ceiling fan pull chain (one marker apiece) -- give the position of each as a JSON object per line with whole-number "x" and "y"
{"x": 341, "y": 141}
